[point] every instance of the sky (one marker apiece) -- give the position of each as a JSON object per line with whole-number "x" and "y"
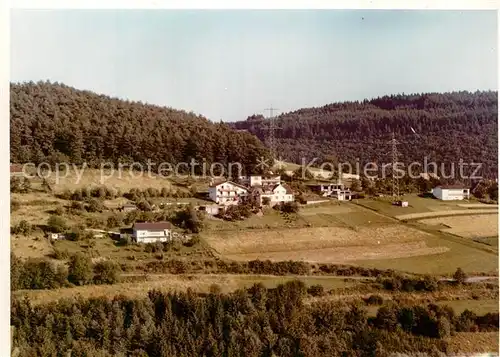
{"x": 229, "y": 64}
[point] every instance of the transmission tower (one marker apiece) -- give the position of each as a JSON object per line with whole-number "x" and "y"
{"x": 271, "y": 129}
{"x": 395, "y": 181}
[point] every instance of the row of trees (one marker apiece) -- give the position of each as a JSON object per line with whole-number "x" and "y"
{"x": 44, "y": 274}
{"x": 134, "y": 194}
{"x": 448, "y": 127}
{"x": 253, "y": 323}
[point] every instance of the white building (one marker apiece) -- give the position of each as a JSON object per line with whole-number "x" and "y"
{"x": 227, "y": 193}
{"x": 252, "y": 181}
{"x": 152, "y": 232}
{"x": 334, "y": 190}
{"x": 274, "y": 195}
{"x": 451, "y": 192}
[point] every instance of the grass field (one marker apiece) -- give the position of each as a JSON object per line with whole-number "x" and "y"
{"x": 416, "y": 204}
{"x": 123, "y": 180}
{"x": 353, "y": 234}
{"x": 462, "y": 212}
{"x": 199, "y": 283}
{"x": 468, "y": 227}
{"x": 479, "y": 307}
{"x": 323, "y": 244}
{"x": 473, "y": 343}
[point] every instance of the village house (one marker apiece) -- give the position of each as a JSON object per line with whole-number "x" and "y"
{"x": 227, "y": 193}
{"x": 262, "y": 189}
{"x": 451, "y": 192}
{"x": 262, "y": 181}
{"x": 272, "y": 195}
{"x": 334, "y": 190}
{"x": 152, "y": 232}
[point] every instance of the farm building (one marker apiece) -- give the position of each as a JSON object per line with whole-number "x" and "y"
{"x": 227, "y": 193}
{"x": 451, "y": 192}
{"x": 152, "y": 232}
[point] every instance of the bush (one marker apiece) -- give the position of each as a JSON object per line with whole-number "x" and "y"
{"x": 14, "y": 205}
{"x": 316, "y": 290}
{"x": 56, "y": 224}
{"x": 94, "y": 205}
{"x": 80, "y": 269}
{"x": 374, "y": 300}
{"x": 114, "y": 221}
{"x": 215, "y": 289}
{"x": 36, "y": 274}
{"x": 195, "y": 240}
{"x": 460, "y": 276}
{"x": 288, "y": 207}
{"x": 144, "y": 205}
{"x": 106, "y": 272}
{"x": 77, "y": 206}
{"x": 126, "y": 240}
{"x": 153, "y": 247}
{"x": 23, "y": 228}
{"x": 189, "y": 218}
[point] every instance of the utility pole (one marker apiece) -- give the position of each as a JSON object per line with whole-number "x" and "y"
{"x": 272, "y": 128}
{"x": 395, "y": 181}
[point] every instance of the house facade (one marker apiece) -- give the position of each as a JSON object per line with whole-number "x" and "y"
{"x": 227, "y": 193}
{"x": 273, "y": 195}
{"x": 263, "y": 181}
{"x": 334, "y": 190}
{"x": 152, "y": 232}
{"x": 451, "y": 192}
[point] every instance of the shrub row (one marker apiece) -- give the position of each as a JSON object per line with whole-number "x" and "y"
{"x": 262, "y": 267}
{"x": 43, "y": 274}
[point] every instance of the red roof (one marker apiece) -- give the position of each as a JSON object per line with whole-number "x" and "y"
{"x": 229, "y": 182}
{"x": 16, "y": 168}
{"x": 150, "y": 226}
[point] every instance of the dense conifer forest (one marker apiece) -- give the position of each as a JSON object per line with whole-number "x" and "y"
{"x": 51, "y": 122}
{"x": 253, "y": 323}
{"x": 448, "y": 127}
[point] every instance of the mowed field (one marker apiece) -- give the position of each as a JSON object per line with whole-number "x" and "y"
{"x": 123, "y": 180}
{"x": 349, "y": 233}
{"x": 200, "y": 283}
{"x": 424, "y": 207}
{"x": 324, "y": 244}
{"x": 326, "y": 233}
{"x": 473, "y": 226}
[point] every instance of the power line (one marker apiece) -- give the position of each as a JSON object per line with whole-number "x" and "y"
{"x": 395, "y": 180}
{"x": 271, "y": 129}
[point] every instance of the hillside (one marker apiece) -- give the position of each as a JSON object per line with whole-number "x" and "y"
{"x": 450, "y": 127}
{"x": 56, "y": 123}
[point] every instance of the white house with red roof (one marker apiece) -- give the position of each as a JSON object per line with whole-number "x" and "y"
{"x": 227, "y": 193}
{"x": 147, "y": 232}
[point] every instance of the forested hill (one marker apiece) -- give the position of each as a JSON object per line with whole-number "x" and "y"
{"x": 449, "y": 127}
{"x": 57, "y": 123}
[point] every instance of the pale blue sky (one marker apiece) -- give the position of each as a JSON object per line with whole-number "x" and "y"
{"x": 230, "y": 64}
